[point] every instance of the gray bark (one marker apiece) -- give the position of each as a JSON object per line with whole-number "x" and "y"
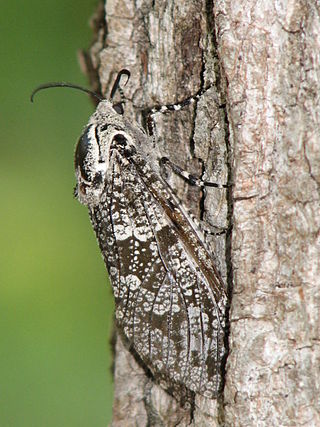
{"x": 259, "y": 123}
{"x": 270, "y": 55}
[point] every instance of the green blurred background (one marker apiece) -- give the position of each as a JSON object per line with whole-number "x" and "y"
{"x": 56, "y": 304}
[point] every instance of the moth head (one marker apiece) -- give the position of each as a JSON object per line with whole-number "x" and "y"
{"x": 92, "y": 151}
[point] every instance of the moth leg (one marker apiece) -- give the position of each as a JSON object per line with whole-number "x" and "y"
{"x": 149, "y": 124}
{"x": 149, "y": 113}
{"x": 205, "y": 229}
{"x": 178, "y": 105}
{"x": 192, "y": 180}
{"x": 214, "y": 233}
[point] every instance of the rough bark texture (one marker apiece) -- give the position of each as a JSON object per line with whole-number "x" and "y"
{"x": 269, "y": 52}
{"x": 260, "y": 121}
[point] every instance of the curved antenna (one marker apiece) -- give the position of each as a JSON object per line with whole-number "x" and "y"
{"x": 116, "y": 84}
{"x": 65, "y": 84}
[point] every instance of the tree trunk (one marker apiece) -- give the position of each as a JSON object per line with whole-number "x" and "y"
{"x": 257, "y": 124}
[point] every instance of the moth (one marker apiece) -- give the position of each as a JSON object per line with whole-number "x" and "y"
{"x": 170, "y": 300}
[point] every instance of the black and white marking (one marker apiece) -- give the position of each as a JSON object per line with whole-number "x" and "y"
{"x": 170, "y": 299}
{"x": 193, "y": 180}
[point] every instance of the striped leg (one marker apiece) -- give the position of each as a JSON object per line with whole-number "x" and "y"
{"x": 163, "y": 109}
{"x": 148, "y": 116}
{"x": 192, "y": 180}
{"x": 164, "y": 162}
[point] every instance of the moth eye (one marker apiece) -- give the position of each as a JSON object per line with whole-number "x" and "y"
{"x": 118, "y": 108}
{"x": 84, "y": 146}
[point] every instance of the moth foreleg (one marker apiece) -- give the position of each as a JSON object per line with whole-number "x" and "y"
{"x": 150, "y": 113}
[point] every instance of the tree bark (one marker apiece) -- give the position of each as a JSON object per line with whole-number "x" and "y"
{"x": 258, "y": 125}
{"x": 269, "y": 52}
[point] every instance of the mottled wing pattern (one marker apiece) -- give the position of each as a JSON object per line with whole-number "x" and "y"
{"x": 169, "y": 299}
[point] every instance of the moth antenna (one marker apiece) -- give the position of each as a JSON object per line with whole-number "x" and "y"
{"x": 64, "y": 84}
{"x": 116, "y": 85}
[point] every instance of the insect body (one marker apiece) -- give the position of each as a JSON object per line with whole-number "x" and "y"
{"x": 169, "y": 298}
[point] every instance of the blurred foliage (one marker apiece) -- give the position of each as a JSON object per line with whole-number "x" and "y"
{"x": 56, "y": 307}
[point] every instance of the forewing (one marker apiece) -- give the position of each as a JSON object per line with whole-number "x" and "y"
{"x": 167, "y": 304}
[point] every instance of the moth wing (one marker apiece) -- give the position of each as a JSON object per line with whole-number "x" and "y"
{"x": 166, "y": 303}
